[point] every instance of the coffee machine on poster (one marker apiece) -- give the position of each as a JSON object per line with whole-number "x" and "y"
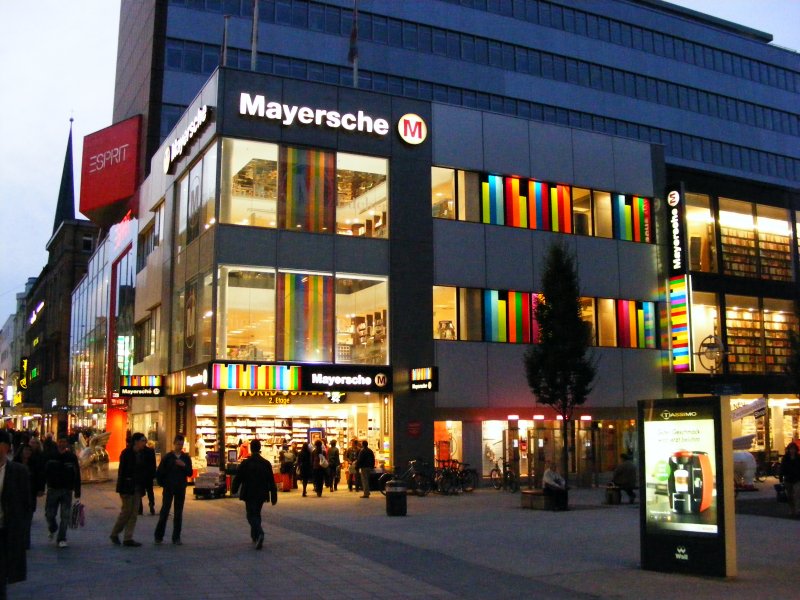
{"x": 690, "y": 483}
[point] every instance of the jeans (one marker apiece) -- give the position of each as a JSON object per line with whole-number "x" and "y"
{"x": 253, "y": 510}
{"x": 58, "y": 498}
{"x": 178, "y": 495}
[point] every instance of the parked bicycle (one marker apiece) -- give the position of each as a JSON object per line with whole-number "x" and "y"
{"x": 504, "y": 479}
{"x": 453, "y": 477}
{"x": 771, "y": 468}
{"x": 414, "y": 477}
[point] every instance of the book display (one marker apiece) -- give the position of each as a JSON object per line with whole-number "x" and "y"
{"x": 776, "y": 340}
{"x": 739, "y": 252}
{"x": 775, "y": 252}
{"x": 745, "y": 341}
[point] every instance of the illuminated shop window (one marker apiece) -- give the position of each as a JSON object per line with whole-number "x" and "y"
{"x": 779, "y": 319}
{"x": 704, "y": 319}
{"x": 633, "y": 218}
{"x": 606, "y": 322}
{"x": 361, "y": 319}
{"x": 744, "y": 334}
{"x": 444, "y": 313}
{"x": 737, "y": 234}
{"x": 362, "y": 206}
{"x": 443, "y": 193}
{"x": 603, "y": 226}
{"x": 774, "y": 243}
{"x": 700, "y": 232}
{"x": 507, "y": 317}
{"x": 306, "y": 189}
{"x": 582, "y": 211}
{"x": 249, "y": 187}
{"x": 636, "y": 324}
{"x": 246, "y": 307}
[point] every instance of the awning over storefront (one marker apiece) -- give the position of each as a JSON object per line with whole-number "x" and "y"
{"x": 748, "y": 409}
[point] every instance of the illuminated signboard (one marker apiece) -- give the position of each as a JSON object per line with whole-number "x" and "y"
{"x": 243, "y": 376}
{"x": 425, "y": 379}
{"x": 109, "y": 171}
{"x": 679, "y": 323}
{"x": 317, "y": 378}
{"x": 142, "y": 385}
{"x": 677, "y": 254}
{"x": 184, "y": 140}
{"x": 412, "y": 129}
{"x": 22, "y": 382}
{"x": 686, "y": 472}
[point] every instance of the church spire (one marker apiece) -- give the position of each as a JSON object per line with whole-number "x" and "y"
{"x": 65, "y": 208}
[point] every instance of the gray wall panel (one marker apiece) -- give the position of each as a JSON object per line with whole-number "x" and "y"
{"x": 506, "y": 380}
{"x": 633, "y": 167}
{"x": 640, "y": 373}
{"x": 456, "y": 137}
{"x": 462, "y": 374}
{"x": 594, "y": 160}
{"x": 598, "y": 266}
{"x": 509, "y": 258}
{"x": 638, "y": 278}
{"x": 360, "y": 255}
{"x": 305, "y": 251}
{"x": 551, "y": 152}
{"x": 608, "y": 386}
{"x": 459, "y": 255}
{"x": 247, "y": 246}
{"x": 506, "y": 146}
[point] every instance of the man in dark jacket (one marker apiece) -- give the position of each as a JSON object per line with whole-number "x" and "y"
{"x": 15, "y": 508}
{"x": 171, "y": 475}
{"x": 149, "y": 457}
{"x": 365, "y": 464}
{"x": 257, "y": 484}
{"x": 130, "y": 487}
{"x": 63, "y": 476}
{"x": 625, "y": 477}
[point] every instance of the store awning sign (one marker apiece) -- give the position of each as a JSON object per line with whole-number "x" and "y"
{"x": 425, "y": 379}
{"x": 243, "y": 376}
{"x": 142, "y": 386}
{"x": 346, "y": 378}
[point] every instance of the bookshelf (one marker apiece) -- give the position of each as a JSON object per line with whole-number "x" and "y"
{"x": 776, "y": 340}
{"x": 775, "y": 252}
{"x": 739, "y": 252}
{"x": 745, "y": 341}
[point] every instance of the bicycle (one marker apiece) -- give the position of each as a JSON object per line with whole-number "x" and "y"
{"x": 414, "y": 477}
{"x": 505, "y": 479}
{"x": 767, "y": 469}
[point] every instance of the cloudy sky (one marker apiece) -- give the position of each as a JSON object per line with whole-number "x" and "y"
{"x": 58, "y": 60}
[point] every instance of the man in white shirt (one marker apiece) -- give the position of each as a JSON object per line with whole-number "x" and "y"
{"x": 554, "y": 485}
{"x": 15, "y": 498}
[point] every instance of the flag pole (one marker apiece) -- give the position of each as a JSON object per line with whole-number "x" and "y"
{"x": 224, "y": 59}
{"x": 254, "y": 39}
{"x": 352, "y": 56}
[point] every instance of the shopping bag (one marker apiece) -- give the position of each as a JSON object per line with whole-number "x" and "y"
{"x": 78, "y": 516}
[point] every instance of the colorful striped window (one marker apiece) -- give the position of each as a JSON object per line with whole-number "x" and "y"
{"x": 226, "y": 376}
{"x": 492, "y": 200}
{"x": 633, "y": 219}
{"x": 539, "y": 205}
{"x": 679, "y": 324}
{"x": 306, "y": 189}
{"x": 507, "y": 317}
{"x": 636, "y": 322}
{"x": 305, "y": 317}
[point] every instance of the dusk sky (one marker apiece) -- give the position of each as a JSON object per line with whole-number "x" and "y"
{"x": 59, "y": 58}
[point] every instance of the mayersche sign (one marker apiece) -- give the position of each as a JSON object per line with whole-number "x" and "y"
{"x": 411, "y": 128}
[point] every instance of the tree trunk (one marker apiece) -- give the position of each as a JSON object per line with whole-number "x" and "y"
{"x": 565, "y": 449}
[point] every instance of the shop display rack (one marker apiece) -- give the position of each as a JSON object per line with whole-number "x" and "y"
{"x": 745, "y": 342}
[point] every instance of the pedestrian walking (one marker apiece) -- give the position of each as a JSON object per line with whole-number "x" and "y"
{"x": 304, "y": 465}
{"x": 790, "y": 476}
{"x": 149, "y": 457}
{"x": 334, "y": 466}
{"x": 33, "y": 461}
{"x": 63, "y": 477}
{"x": 255, "y": 484}
{"x": 172, "y": 476}
{"x": 351, "y": 456}
{"x": 286, "y": 458}
{"x": 365, "y": 464}
{"x": 319, "y": 465}
{"x": 130, "y": 487}
{"x": 15, "y": 509}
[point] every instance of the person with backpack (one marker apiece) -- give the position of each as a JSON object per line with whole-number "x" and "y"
{"x": 319, "y": 465}
{"x": 255, "y": 484}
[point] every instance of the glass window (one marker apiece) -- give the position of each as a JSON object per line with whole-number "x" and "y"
{"x": 633, "y": 218}
{"x": 443, "y": 193}
{"x": 704, "y": 322}
{"x": 362, "y": 201}
{"x": 507, "y": 316}
{"x": 774, "y": 243}
{"x": 182, "y": 202}
{"x": 582, "y": 211}
{"x": 194, "y": 201}
{"x": 249, "y": 190}
{"x": 445, "y": 320}
{"x": 468, "y": 189}
{"x": 306, "y": 189}
{"x": 246, "y": 307}
{"x": 470, "y": 309}
{"x": 588, "y": 316}
{"x": 636, "y": 324}
{"x": 304, "y": 317}
{"x": 606, "y": 322}
{"x": 779, "y": 320}
{"x": 361, "y": 319}
{"x": 744, "y": 335}
{"x": 602, "y": 215}
{"x": 737, "y": 233}
{"x": 177, "y": 329}
{"x": 700, "y": 231}
{"x": 209, "y": 191}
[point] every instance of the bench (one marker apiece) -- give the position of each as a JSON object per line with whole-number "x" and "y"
{"x": 537, "y": 500}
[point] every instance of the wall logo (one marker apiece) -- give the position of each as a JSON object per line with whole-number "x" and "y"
{"x": 668, "y": 414}
{"x": 412, "y": 129}
{"x": 381, "y": 380}
{"x": 681, "y": 553}
{"x": 673, "y": 198}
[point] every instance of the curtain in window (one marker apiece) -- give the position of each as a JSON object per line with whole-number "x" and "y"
{"x": 307, "y": 189}
{"x": 305, "y": 317}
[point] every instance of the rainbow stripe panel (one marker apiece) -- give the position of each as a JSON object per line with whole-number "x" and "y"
{"x": 306, "y": 190}
{"x": 538, "y": 205}
{"x": 226, "y": 376}
{"x": 561, "y": 209}
{"x": 492, "y": 201}
{"x": 516, "y": 205}
{"x": 636, "y": 322}
{"x": 632, "y": 218}
{"x": 507, "y": 317}
{"x": 305, "y": 317}
{"x": 422, "y": 374}
{"x": 142, "y": 380}
{"x": 679, "y": 323}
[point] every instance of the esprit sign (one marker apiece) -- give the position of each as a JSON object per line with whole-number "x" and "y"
{"x": 289, "y": 114}
{"x": 176, "y": 148}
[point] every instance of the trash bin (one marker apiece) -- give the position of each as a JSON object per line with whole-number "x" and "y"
{"x": 613, "y": 494}
{"x": 396, "y": 500}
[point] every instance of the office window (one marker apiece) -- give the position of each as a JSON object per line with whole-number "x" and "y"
{"x": 582, "y": 211}
{"x": 737, "y": 233}
{"x": 700, "y": 232}
{"x": 636, "y": 323}
{"x": 744, "y": 335}
{"x": 249, "y": 187}
{"x": 606, "y": 322}
{"x": 443, "y": 193}
{"x": 470, "y": 309}
{"x": 774, "y": 243}
{"x": 445, "y": 321}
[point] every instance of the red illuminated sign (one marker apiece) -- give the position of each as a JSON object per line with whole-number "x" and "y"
{"x": 109, "y": 171}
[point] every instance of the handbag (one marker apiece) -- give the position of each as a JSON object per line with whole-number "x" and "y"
{"x": 351, "y": 468}
{"x": 78, "y": 515}
{"x": 323, "y": 462}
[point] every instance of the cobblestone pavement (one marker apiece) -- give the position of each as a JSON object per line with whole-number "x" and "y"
{"x": 479, "y": 545}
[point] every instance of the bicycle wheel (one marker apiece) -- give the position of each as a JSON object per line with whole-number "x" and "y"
{"x": 447, "y": 483}
{"x": 497, "y": 478}
{"x": 467, "y": 479}
{"x": 474, "y": 480}
{"x": 421, "y": 483}
{"x": 512, "y": 482}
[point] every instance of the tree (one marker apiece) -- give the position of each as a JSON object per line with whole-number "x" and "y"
{"x": 559, "y": 367}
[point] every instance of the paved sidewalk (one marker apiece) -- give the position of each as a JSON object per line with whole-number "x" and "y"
{"x": 479, "y": 545}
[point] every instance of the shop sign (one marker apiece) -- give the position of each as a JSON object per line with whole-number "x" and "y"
{"x": 677, "y": 257}
{"x": 687, "y": 520}
{"x": 245, "y": 376}
{"x": 290, "y": 114}
{"x": 196, "y": 379}
{"x": 141, "y": 386}
{"x": 414, "y": 429}
{"x": 195, "y": 126}
{"x": 343, "y": 378}
{"x": 22, "y": 382}
{"x": 276, "y": 394}
{"x": 181, "y": 412}
{"x": 97, "y": 401}
{"x": 412, "y": 129}
{"x": 425, "y": 379}
{"x": 140, "y": 392}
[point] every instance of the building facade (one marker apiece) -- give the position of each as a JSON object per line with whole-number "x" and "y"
{"x": 595, "y": 121}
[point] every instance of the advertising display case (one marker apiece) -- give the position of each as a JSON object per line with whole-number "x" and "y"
{"x": 686, "y": 477}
